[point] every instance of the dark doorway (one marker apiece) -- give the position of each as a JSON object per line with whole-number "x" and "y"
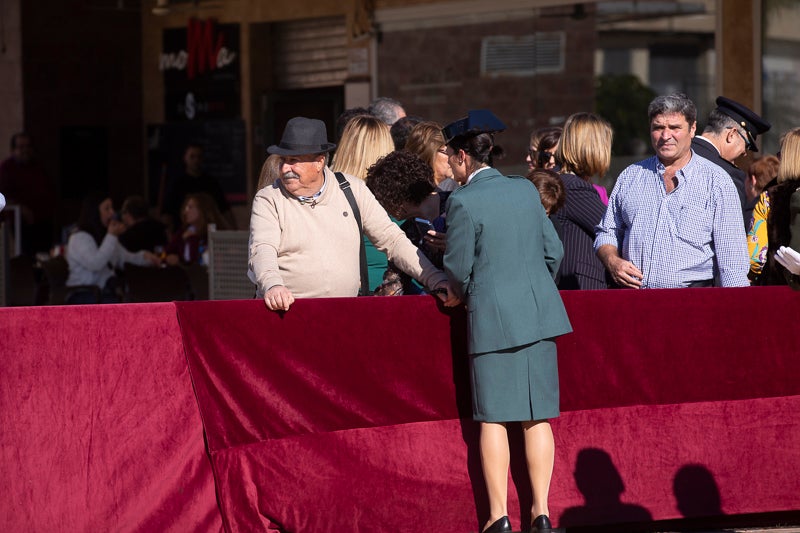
{"x": 84, "y": 161}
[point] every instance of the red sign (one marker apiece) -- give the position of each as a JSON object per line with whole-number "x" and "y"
{"x": 205, "y": 50}
{"x": 201, "y": 71}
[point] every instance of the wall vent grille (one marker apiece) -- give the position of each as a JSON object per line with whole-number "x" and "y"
{"x": 526, "y": 55}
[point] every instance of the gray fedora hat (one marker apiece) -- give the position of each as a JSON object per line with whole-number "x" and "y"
{"x": 303, "y": 136}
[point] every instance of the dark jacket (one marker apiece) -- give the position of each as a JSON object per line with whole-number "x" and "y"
{"x": 146, "y": 234}
{"x": 582, "y": 211}
{"x": 707, "y": 151}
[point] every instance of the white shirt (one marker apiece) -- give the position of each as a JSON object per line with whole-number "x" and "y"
{"x": 89, "y": 263}
{"x": 469, "y": 178}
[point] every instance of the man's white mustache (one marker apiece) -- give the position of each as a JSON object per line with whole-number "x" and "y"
{"x": 290, "y": 175}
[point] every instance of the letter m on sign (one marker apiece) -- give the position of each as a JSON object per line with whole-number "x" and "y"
{"x": 201, "y": 47}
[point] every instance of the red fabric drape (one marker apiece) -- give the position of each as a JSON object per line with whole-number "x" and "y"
{"x": 352, "y": 414}
{"x": 99, "y": 429}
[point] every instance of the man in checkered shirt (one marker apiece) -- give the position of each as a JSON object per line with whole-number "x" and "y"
{"x": 673, "y": 220}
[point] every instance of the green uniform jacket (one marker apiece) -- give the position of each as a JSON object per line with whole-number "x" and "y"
{"x": 502, "y": 254}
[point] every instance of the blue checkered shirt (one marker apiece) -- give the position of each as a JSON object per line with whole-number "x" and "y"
{"x": 694, "y": 233}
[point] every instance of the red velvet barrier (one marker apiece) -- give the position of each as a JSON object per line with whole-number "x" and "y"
{"x": 353, "y": 414}
{"x": 99, "y": 428}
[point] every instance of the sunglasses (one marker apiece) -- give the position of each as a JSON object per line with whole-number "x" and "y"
{"x": 541, "y": 157}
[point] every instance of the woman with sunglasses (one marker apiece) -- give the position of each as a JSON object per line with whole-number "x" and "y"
{"x": 542, "y": 151}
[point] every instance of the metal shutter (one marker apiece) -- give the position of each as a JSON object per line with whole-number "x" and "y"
{"x": 310, "y": 53}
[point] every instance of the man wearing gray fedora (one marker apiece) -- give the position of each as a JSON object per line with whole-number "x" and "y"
{"x": 306, "y": 233}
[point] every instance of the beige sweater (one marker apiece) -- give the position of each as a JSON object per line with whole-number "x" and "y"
{"x": 314, "y": 251}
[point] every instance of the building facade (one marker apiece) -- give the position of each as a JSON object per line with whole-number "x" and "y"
{"x": 113, "y": 89}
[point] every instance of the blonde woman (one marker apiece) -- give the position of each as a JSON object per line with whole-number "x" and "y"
{"x": 584, "y": 151}
{"x": 427, "y": 142}
{"x": 365, "y": 139}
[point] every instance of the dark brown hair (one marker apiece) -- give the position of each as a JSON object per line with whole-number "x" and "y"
{"x": 550, "y": 187}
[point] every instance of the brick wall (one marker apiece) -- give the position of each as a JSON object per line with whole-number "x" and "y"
{"x": 435, "y": 72}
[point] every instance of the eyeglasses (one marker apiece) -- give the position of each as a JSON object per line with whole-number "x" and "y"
{"x": 443, "y": 151}
{"x": 747, "y": 144}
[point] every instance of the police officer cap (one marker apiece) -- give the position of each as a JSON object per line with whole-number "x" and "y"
{"x": 477, "y": 121}
{"x": 751, "y": 123}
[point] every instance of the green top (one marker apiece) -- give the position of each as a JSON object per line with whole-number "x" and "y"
{"x": 376, "y": 261}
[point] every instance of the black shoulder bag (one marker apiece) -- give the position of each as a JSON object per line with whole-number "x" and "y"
{"x": 348, "y": 193}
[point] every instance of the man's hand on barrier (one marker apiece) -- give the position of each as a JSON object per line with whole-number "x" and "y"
{"x": 278, "y": 298}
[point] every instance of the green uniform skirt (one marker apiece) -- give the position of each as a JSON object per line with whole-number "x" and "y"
{"x": 515, "y": 385}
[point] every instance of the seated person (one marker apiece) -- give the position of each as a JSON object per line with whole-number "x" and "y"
{"x": 194, "y": 179}
{"x": 93, "y": 246}
{"x": 191, "y": 240}
{"x": 403, "y": 184}
{"x": 143, "y": 232}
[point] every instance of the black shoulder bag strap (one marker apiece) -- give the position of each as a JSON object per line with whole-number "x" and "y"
{"x": 345, "y": 186}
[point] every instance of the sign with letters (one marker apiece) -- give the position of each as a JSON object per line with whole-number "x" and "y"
{"x": 201, "y": 69}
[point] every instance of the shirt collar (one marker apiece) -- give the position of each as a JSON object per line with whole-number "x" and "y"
{"x": 313, "y": 199}
{"x": 703, "y": 139}
{"x": 682, "y": 173}
{"x": 469, "y": 178}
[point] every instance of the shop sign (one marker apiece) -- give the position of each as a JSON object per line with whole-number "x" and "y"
{"x": 201, "y": 71}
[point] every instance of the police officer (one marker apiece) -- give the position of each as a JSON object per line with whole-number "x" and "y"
{"x": 730, "y": 132}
